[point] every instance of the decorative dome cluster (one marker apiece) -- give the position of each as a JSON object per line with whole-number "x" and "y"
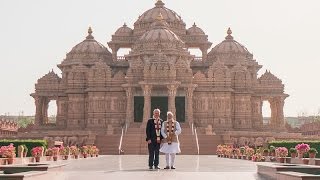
{"x": 160, "y": 33}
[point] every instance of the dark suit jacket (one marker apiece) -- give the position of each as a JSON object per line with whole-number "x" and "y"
{"x": 151, "y": 131}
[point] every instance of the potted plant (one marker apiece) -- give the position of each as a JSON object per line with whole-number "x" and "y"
{"x": 55, "y": 153}
{"x": 243, "y": 152}
{"x": 293, "y": 152}
{"x": 312, "y": 152}
{"x": 249, "y": 153}
{"x": 302, "y": 148}
{"x": 74, "y": 150}
{"x": 36, "y": 152}
{"x": 65, "y": 151}
{"x": 49, "y": 154}
{"x": 281, "y": 153}
{"x": 84, "y": 151}
{"x": 8, "y": 152}
{"x": 219, "y": 150}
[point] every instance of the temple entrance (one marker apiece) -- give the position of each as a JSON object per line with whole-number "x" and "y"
{"x": 138, "y": 108}
{"x": 180, "y": 109}
{"x": 160, "y": 102}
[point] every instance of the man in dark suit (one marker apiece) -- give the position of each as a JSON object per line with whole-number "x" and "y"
{"x": 154, "y": 138}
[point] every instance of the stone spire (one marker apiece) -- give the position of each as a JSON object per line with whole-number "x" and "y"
{"x": 90, "y": 33}
{"x": 229, "y": 32}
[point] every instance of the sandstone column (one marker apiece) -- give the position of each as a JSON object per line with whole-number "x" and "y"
{"x": 130, "y": 105}
{"x": 189, "y": 99}
{"x": 147, "y": 102}
{"x": 37, "y": 101}
{"x": 172, "y": 91}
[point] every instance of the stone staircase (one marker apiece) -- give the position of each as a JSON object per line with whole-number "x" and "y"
{"x": 208, "y": 143}
{"x": 134, "y": 141}
{"x": 187, "y": 140}
{"x": 108, "y": 144}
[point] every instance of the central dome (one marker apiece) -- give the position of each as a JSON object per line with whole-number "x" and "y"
{"x": 151, "y": 14}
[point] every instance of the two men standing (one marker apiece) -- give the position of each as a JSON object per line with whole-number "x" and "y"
{"x": 158, "y": 132}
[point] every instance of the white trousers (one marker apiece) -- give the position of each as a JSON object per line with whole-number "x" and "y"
{"x": 170, "y": 159}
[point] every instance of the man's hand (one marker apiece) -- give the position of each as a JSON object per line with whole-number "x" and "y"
{"x": 149, "y": 141}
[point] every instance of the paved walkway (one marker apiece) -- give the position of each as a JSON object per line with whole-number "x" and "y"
{"x": 134, "y": 167}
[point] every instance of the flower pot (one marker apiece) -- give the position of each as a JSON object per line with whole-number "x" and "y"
{"x": 10, "y": 160}
{"x": 288, "y": 160}
{"x": 37, "y": 158}
{"x": 97, "y": 155}
{"x": 312, "y": 155}
{"x": 55, "y": 158}
{"x": 76, "y": 156}
{"x": 65, "y": 157}
{"x": 249, "y": 158}
{"x": 305, "y": 161}
{"x": 281, "y": 159}
{"x": 293, "y": 155}
{"x": 85, "y": 155}
{"x": 300, "y": 155}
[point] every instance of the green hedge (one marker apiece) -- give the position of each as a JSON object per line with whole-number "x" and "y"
{"x": 292, "y": 144}
{"x": 29, "y": 143}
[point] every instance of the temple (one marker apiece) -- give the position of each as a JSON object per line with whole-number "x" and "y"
{"x": 102, "y": 96}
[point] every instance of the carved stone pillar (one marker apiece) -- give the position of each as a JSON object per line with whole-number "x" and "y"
{"x": 44, "y": 105}
{"x": 130, "y": 105}
{"x": 189, "y": 99}
{"x": 147, "y": 102}
{"x": 37, "y": 101}
{"x": 277, "y": 117}
{"x": 114, "y": 49}
{"x": 204, "y": 51}
{"x": 172, "y": 91}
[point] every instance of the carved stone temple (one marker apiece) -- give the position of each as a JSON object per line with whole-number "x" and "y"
{"x": 102, "y": 97}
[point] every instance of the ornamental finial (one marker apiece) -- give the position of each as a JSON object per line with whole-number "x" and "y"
{"x": 229, "y": 32}
{"x": 159, "y": 3}
{"x": 89, "y": 33}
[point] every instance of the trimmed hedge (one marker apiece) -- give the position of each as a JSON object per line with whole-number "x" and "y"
{"x": 292, "y": 144}
{"x": 28, "y": 142}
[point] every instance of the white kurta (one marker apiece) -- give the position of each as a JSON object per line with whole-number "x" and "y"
{"x": 174, "y": 147}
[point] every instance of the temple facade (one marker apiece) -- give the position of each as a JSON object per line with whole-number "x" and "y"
{"x": 100, "y": 91}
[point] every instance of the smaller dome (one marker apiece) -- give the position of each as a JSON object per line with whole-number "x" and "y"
{"x": 159, "y": 32}
{"x": 89, "y": 45}
{"x": 124, "y": 31}
{"x": 195, "y": 30}
{"x": 229, "y": 45}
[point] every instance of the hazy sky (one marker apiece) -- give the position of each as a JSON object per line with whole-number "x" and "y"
{"x": 283, "y": 36}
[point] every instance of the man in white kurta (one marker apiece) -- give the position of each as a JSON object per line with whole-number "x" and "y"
{"x": 170, "y": 131}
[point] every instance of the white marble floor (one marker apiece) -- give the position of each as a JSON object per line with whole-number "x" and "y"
{"x": 134, "y": 167}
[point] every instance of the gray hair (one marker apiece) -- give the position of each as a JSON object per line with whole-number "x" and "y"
{"x": 169, "y": 112}
{"x": 156, "y": 110}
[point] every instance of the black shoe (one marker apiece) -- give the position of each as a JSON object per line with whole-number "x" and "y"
{"x": 173, "y": 167}
{"x": 156, "y": 167}
{"x": 150, "y": 167}
{"x": 167, "y": 167}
